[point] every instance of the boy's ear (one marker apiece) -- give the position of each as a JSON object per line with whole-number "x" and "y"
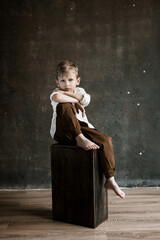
{"x": 78, "y": 80}
{"x": 57, "y": 82}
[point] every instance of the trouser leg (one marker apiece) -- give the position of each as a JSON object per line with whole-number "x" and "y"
{"x": 106, "y": 149}
{"x": 67, "y": 125}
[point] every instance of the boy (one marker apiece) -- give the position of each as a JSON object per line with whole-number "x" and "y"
{"x": 71, "y": 126}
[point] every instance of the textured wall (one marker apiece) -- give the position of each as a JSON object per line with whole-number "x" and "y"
{"x": 116, "y": 46}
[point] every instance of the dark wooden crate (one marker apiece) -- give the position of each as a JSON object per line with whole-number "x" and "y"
{"x": 78, "y": 193}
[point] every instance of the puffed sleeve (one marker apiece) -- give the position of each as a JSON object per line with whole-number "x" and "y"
{"x": 86, "y": 97}
{"x": 53, "y": 93}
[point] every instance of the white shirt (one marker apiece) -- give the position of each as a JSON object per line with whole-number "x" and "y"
{"x": 85, "y": 101}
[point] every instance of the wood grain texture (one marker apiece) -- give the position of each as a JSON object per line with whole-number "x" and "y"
{"x": 79, "y": 196}
{"x": 28, "y": 215}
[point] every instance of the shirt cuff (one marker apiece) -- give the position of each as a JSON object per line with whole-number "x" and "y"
{"x": 83, "y": 100}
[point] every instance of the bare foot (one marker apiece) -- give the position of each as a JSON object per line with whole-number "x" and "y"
{"x": 111, "y": 184}
{"x": 85, "y": 143}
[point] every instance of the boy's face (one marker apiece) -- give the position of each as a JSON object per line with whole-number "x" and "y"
{"x": 68, "y": 81}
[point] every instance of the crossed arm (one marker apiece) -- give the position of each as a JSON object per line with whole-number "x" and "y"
{"x": 64, "y": 97}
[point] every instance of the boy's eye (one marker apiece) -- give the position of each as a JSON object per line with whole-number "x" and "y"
{"x": 70, "y": 79}
{"x": 62, "y": 80}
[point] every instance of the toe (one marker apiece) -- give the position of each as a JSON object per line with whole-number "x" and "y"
{"x": 122, "y": 195}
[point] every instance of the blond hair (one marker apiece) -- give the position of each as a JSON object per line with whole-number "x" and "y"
{"x": 64, "y": 67}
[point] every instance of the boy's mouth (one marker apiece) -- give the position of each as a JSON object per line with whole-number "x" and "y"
{"x": 67, "y": 89}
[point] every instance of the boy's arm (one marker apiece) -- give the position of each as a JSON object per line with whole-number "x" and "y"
{"x": 63, "y": 98}
{"x": 81, "y": 95}
{"x": 86, "y": 97}
{"x": 77, "y": 96}
{"x": 59, "y": 96}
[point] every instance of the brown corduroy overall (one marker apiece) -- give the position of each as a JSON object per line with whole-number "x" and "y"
{"x": 68, "y": 127}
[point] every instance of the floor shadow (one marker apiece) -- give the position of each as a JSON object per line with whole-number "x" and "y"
{"x": 43, "y": 213}
{"x": 15, "y": 206}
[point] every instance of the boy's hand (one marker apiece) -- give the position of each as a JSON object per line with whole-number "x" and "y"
{"x": 78, "y": 107}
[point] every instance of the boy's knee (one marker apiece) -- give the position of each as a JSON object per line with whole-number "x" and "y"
{"x": 106, "y": 140}
{"x": 62, "y": 107}
{"x": 110, "y": 139}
